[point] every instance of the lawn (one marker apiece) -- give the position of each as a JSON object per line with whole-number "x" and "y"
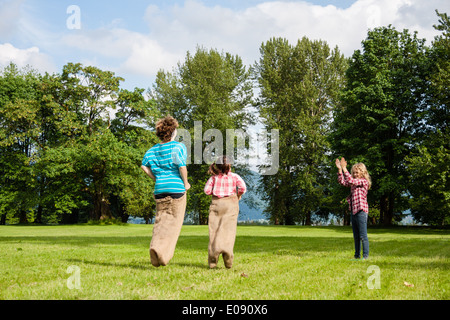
{"x": 271, "y": 262}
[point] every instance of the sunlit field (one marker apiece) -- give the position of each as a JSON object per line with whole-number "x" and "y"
{"x": 271, "y": 262}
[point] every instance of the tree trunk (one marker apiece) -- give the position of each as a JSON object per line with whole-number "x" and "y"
{"x": 390, "y": 210}
{"x": 101, "y": 201}
{"x": 386, "y": 209}
{"x": 308, "y": 219}
{"x": 101, "y": 205}
{"x": 101, "y": 208}
{"x": 23, "y": 216}
{"x": 346, "y": 219}
{"x": 125, "y": 217}
{"x": 39, "y": 215}
{"x": 383, "y": 208}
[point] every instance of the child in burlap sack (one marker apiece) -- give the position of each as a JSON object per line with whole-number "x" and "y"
{"x": 226, "y": 189}
{"x": 165, "y": 163}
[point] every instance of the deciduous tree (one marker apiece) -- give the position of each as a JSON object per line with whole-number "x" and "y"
{"x": 383, "y": 103}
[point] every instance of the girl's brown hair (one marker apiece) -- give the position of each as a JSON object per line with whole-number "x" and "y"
{"x": 221, "y": 166}
{"x": 165, "y": 128}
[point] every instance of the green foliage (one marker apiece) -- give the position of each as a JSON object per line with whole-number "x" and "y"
{"x": 61, "y": 152}
{"x": 213, "y": 88}
{"x": 19, "y": 133}
{"x": 430, "y": 182}
{"x": 278, "y": 263}
{"x": 301, "y": 81}
{"x": 429, "y": 165}
{"x": 106, "y": 222}
{"x": 71, "y": 144}
{"x": 382, "y": 107}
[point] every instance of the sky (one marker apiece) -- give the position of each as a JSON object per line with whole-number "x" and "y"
{"x": 137, "y": 38}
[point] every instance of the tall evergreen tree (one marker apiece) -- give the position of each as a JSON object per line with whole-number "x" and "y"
{"x": 299, "y": 87}
{"x": 214, "y": 90}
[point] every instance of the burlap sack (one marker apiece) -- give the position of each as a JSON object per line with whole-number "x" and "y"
{"x": 223, "y": 215}
{"x": 168, "y": 222}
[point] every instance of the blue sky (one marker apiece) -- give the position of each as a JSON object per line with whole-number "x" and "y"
{"x": 136, "y": 38}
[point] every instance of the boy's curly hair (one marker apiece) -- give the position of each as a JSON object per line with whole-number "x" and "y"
{"x": 165, "y": 128}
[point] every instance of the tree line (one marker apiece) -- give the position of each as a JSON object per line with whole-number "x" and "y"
{"x": 71, "y": 143}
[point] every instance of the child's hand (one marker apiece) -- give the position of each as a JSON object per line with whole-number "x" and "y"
{"x": 343, "y": 163}
{"x": 187, "y": 186}
{"x": 338, "y": 164}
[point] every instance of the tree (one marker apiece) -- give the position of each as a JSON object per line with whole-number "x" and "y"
{"x": 299, "y": 87}
{"x": 382, "y": 106}
{"x": 20, "y": 132}
{"x": 99, "y": 157}
{"x": 429, "y": 164}
{"x": 213, "y": 89}
{"x": 134, "y": 117}
{"x": 86, "y": 96}
{"x": 64, "y": 151}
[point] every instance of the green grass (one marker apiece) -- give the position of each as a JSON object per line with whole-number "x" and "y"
{"x": 271, "y": 262}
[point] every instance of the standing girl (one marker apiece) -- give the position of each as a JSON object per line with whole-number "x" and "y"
{"x": 226, "y": 189}
{"x": 359, "y": 182}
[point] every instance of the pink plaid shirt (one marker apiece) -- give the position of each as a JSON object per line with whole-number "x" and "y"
{"x": 224, "y": 185}
{"x": 357, "y": 200}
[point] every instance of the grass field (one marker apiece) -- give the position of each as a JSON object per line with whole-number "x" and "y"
{"x": 271, "y": 262}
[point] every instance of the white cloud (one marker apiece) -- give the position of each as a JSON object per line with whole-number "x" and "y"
{"x": 23, "y": 57}
{"x": 175, "y": 29}
{"x": 242, "y": 32}
{"x": 148, "y": 57}
{"x": 139, "y": 54}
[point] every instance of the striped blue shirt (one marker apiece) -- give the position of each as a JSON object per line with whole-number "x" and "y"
{"x": 165, "y": 160}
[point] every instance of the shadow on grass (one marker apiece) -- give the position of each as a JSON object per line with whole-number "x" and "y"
{"x": 296, "y": 245}
{"x": 144, "y": 265}
{"x": 198, "y": 265}
{"x": 376, "y": 229}
{"x": 281, "y": 245}
{"x": 406, "y": 255}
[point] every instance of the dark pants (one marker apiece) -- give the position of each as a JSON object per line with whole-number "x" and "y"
{"x": 359, "y": 225}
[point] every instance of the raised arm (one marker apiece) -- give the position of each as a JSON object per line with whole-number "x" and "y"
{"x": 349, "y": 180}
{"x": 341, "y": 178}
{"x": 338, "y": 165}
{"x": 355, "y": 182}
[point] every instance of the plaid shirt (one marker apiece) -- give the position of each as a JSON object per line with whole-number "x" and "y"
{"x": 224, "y": 185}
{"x": 357, "y": 199}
